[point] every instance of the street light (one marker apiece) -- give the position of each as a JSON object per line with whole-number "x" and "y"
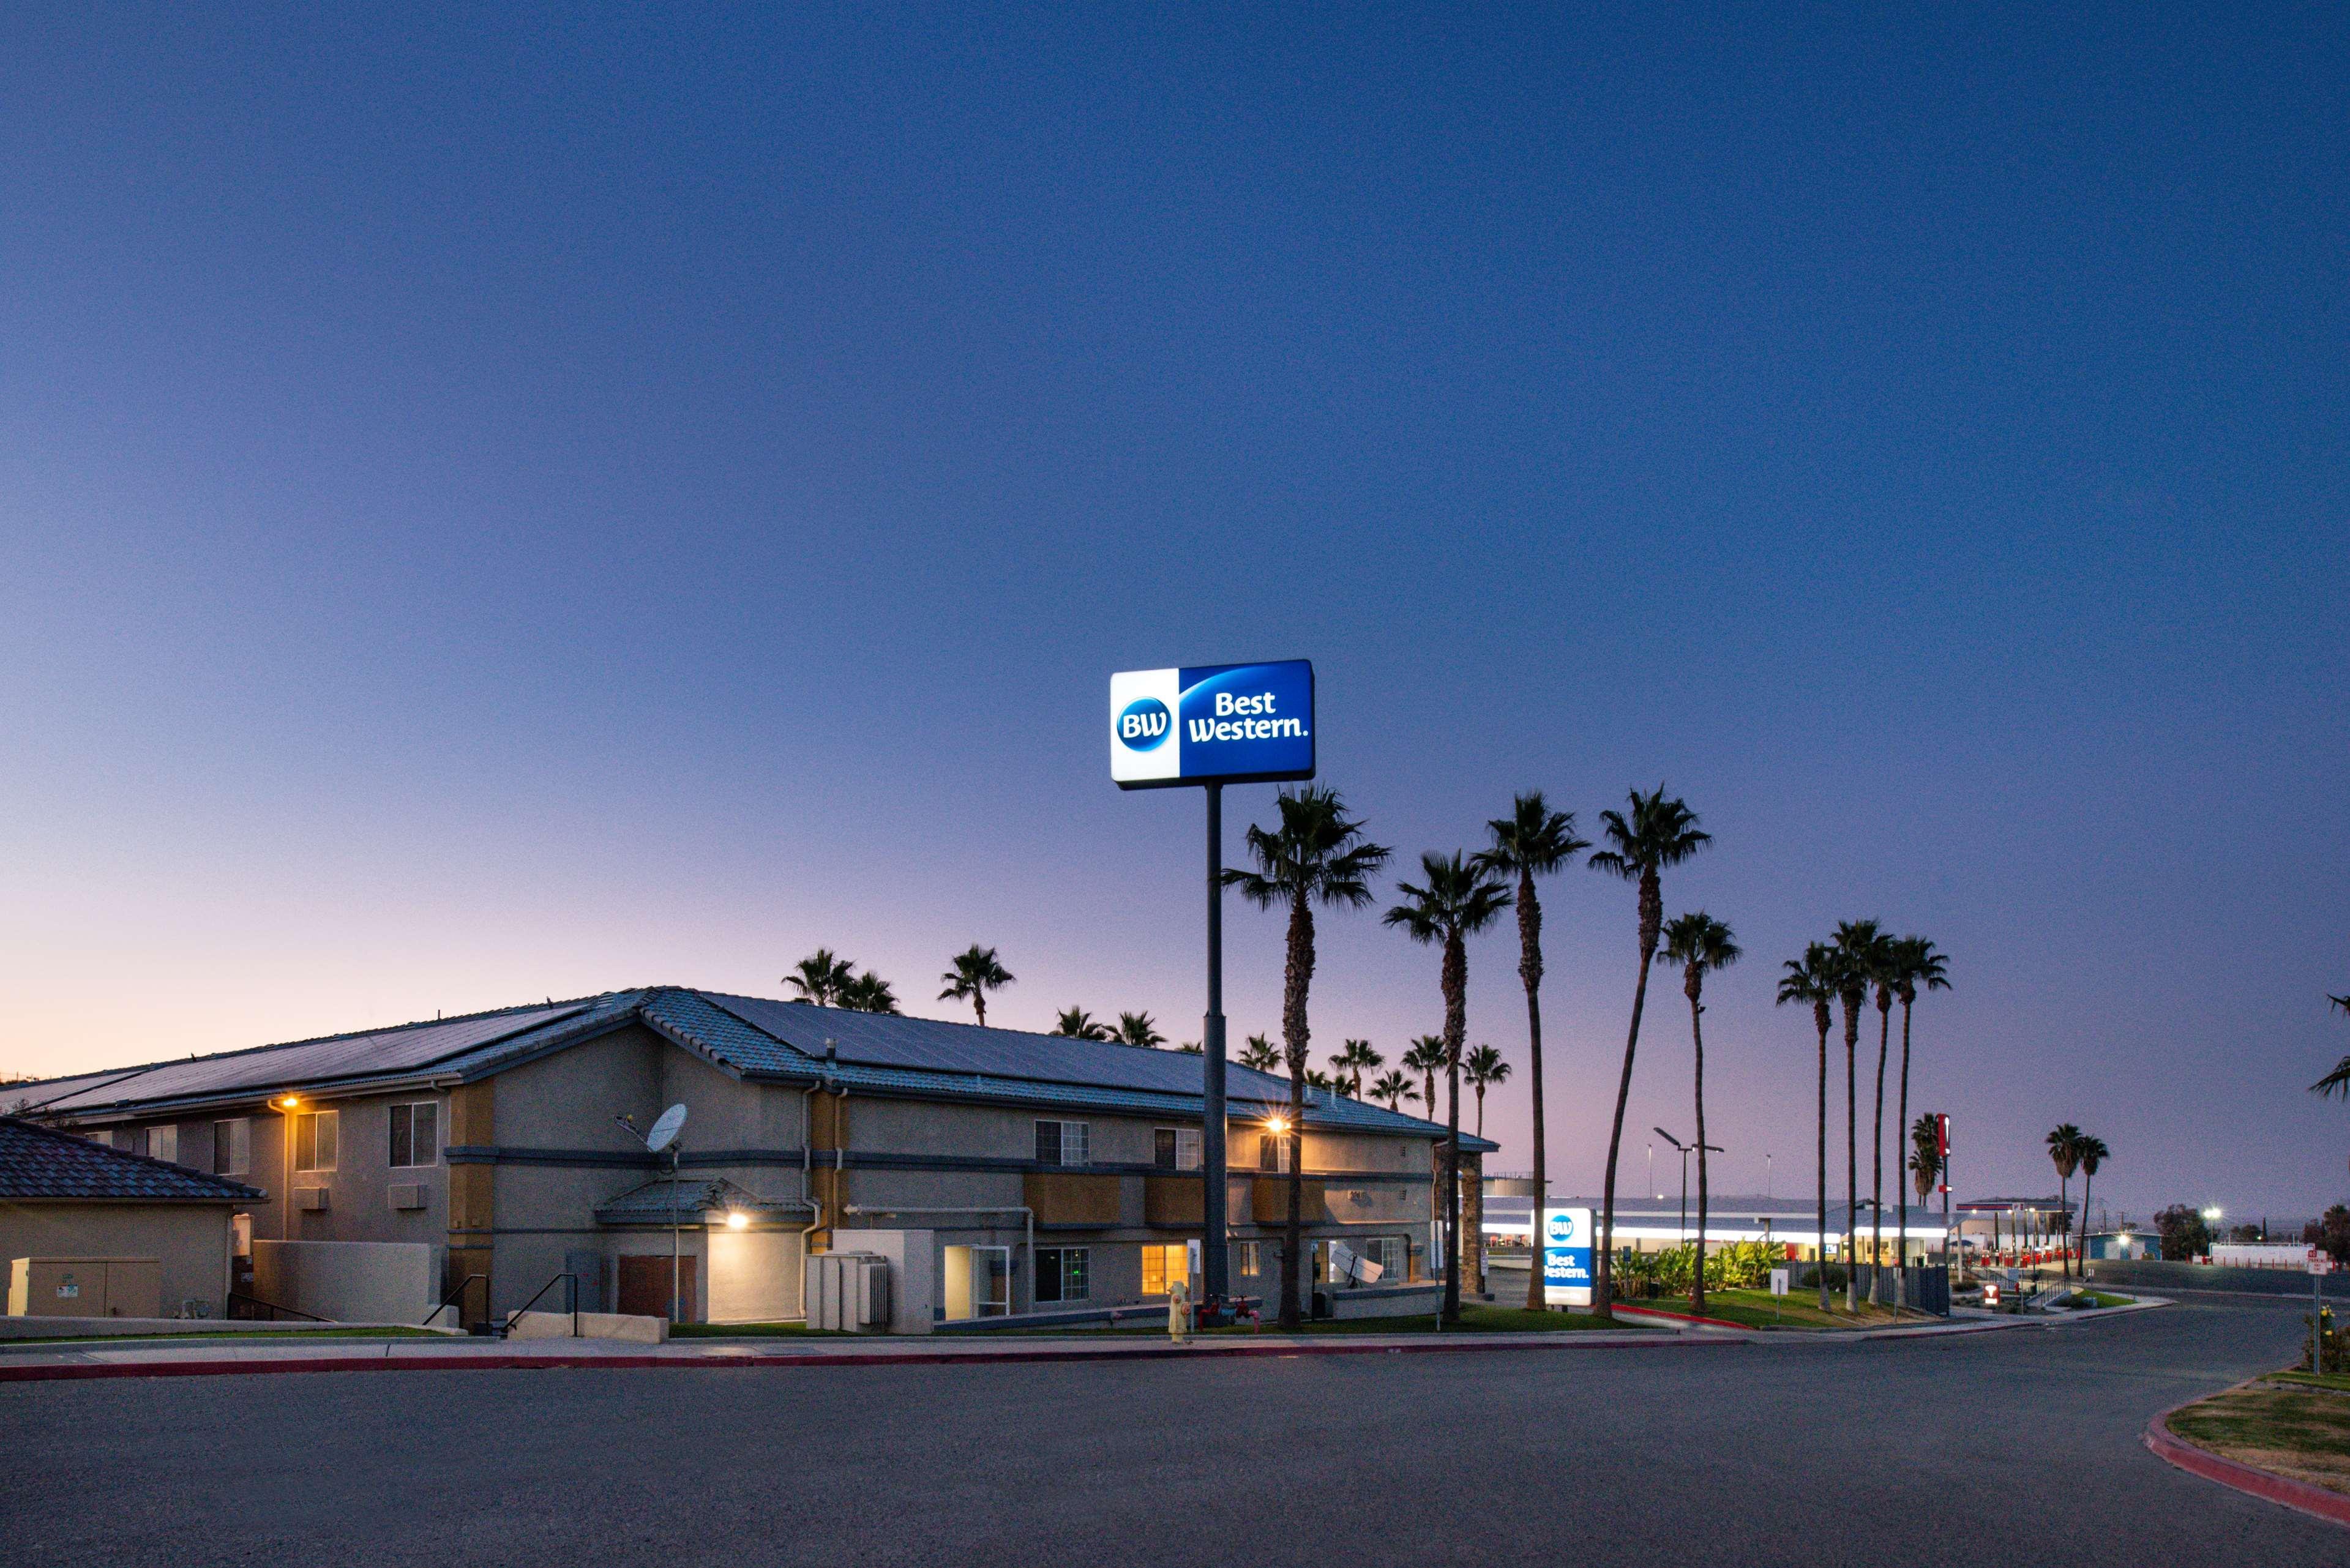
{"x": 1687, "y": 1149}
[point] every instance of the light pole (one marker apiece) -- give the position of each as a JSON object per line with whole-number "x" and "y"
{"x": 2212, "y": 1224}
{"x": 1687, "y": 1149}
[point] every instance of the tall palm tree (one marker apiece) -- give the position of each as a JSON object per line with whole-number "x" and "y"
{"x": 2094, "y": 1154}
{"x": 1394, "y": 1088}
{"x": 1455, "y": 900}
{"x": 820, "y": 977}
{"x": 1915, "y": 963}
{"x": 1426, "y": 1058}
{"x": 1259, "y": 1054}
{"x": 1881, "y": 972}
{"x": 2065, "y": 1149}
{"x": 970, "y": 975}
{"x": 1484, "y": 1068}
{"x": 869, "y": 992}
{"x": 2337, "y": 1081}
{"x": 1314, "y": 854}
{"x": 1139, "y": 1029}
{"x": 1701, "y": 945}
{"x": 1077, "y": 1023}
{"x": 1656, "y": 833}
{"x": 1359, "y": 1058}
{"x": 1812, "y": 979}
{"x": 1857, "y": 947}
{"x": 1533, "y": 841}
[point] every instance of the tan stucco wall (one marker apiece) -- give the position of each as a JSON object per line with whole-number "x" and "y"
{"x": 191, "y": 1241}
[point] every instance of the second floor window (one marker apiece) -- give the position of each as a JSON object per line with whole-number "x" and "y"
{"x": 232, "y": 1146}
{"x": 314, "y": 1140}
{"x": 1273, "y": 1153}
{"x": 164, "y": 1143}
{"x": 416, "y": 1134}
{"x": 1061, "y": 1143}
{"x": 1176, "y": 1148}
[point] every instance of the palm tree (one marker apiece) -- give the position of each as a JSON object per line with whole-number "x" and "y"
{"x": 1077, "y": 1023}
{"x": 1483, "y": 1069}
{"x": 2094, "y": 1154}
{"x": 1881, "y": 972}
{"x": 1531, "y": 841}
{"x": 1359, "y": 1058}
{"x": 1316, "y": 855}
{"x": 1139, "y": 1029}
{"x": 2065, "y": 1148}
{"x": 1701, "y": 945}
{"x": 2337, "y": 1081}
{"x": 1458, "y": 899}
{"x": 970, "y": 975}
{"x": 1812, "y": 979}
{"x": 869, "y": 992}
{"x": 820, "y": 977}
{"x": 1857, "y": 943}
{"x": 1395, "y": 1088}
{"x": 1659, "y": 832}
{"x": 1261, "y": 1054}
{"x": 1925, "y": 1155}
{"x": 1915, "y": 964}
{"x": 1426, "y": 1058}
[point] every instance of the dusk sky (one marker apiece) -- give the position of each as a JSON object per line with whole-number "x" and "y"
{"x": 535, "y": 503}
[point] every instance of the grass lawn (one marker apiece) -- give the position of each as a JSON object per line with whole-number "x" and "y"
{"x": 1754, "y": 1309}
{"x": 2279, "y": 1423}
{"x": 2338, "y": 1382}
{"x": 2086, "y": 1299}
{"x": 1475, "y": 1318}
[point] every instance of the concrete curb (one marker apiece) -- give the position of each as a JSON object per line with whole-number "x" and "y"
{"x": 2270, "y": 1488}
{"x": 753, "y": 1361}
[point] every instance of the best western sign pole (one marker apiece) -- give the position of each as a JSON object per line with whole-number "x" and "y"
{"x": 1211, "y": 726}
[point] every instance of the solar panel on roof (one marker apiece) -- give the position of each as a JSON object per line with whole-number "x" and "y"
{"x": 932, "y": 1045}
{"x": 309, "y": 1061}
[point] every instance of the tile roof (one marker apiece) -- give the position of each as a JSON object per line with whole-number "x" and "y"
{"x": 755, "y": 1036}
{"x": 39, "y": 1162}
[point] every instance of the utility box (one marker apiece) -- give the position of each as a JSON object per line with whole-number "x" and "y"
{"x": 848, "y": 1291}
{"x": 85, "y": 1287}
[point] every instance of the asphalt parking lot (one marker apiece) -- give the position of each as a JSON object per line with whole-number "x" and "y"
{"x": 2018, "y": 1447}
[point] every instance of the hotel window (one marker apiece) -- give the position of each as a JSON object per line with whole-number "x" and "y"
{"x": 1386, "y": 1251}
{"x": 314, "y": 1140}
{"x": 1251, "y": 1261}
{"x": 1064, "y": 1274}
{"x": 1061, "y": 1143}
{"x": 1273, "y": 1153}
{"x": 1164, "y": 1268}
{"x": 232, "y": 1146}
{"x": 416, "y": 1134}
{"x": 164, "y": 1143}
{"x": 1176, "y": 1148}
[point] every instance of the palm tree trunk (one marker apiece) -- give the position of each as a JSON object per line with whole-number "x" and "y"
{"x": 2087, "y": 1177}
{"x": 1295, "y": 982}
{"x": 1530, "y": 971}
{"x": 1823, "y": 1248}
{"x": 1876, "y": 1166}
{"x": 1456, "y": 1028}
{"x": 979, "y": 1005}
{"x": 1851, "y": 1157}
{"x": 1697, "y": 1041}
{"x": 1481, "y": 1111}
{"x": 1652, "y": 919}
{"x": 1900, "y": 1140}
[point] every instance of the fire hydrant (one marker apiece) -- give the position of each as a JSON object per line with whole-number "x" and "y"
{"x": 1179, "y": 1313}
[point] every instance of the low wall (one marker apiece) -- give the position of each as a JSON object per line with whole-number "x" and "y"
{"x": 22, "y": 1328}
{"x": 590, "y": 1325}
{"x": 349, "y": 1281}
{"x": 1387, "y": 1301}
{"x": 2150, "y": 1274}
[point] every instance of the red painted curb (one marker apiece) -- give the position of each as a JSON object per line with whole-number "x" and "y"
{"x": 1683, "y": 1317}
{"x": 2270, "y": 1488}
{"x": 75, "y": 1372}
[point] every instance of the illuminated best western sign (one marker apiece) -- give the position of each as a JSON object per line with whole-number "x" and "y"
{"x": 1222, "y": 724}
{"x": 1567, "y": 1256}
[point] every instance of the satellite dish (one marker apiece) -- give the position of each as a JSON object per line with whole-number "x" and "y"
{"x": 665, "y": 1130}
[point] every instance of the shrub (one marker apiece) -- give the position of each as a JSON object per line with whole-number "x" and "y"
{"x": 1835, "y": 1273}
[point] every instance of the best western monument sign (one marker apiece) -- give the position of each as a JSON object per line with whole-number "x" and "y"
{"x": 1566, "y": 1257}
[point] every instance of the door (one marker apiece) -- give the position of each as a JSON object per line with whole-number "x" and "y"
{"x": 645, "y": 1286}
{"x": 976, "y": 1281}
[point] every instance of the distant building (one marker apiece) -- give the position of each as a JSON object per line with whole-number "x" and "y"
{"x": 1031, "y": 1171}
{"x": 1654, "y": 1225}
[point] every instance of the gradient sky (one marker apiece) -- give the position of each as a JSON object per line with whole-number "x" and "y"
{"x": 541, "y": 503}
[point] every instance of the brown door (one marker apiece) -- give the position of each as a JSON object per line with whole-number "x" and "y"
{"x": 644, "y": 1287}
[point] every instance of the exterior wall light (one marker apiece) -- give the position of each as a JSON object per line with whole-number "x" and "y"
{"x": 737, "y": 1221}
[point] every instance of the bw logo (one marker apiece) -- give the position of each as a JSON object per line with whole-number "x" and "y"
{"x": 1145, "y": 724}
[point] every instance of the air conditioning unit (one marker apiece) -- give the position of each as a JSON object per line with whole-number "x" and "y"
{"x": 311, "y": 1198}
{"x": 848, "y": 1291}
{"x": 407, "y": 1194}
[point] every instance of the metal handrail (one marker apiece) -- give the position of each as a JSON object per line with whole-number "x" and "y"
{"x": 566, "y": 1275}
{"x": 450, "y": 1297}
{"x": 236, "y": 1297}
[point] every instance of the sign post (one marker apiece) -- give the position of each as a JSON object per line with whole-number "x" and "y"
{"x": 1211, "y": 726}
